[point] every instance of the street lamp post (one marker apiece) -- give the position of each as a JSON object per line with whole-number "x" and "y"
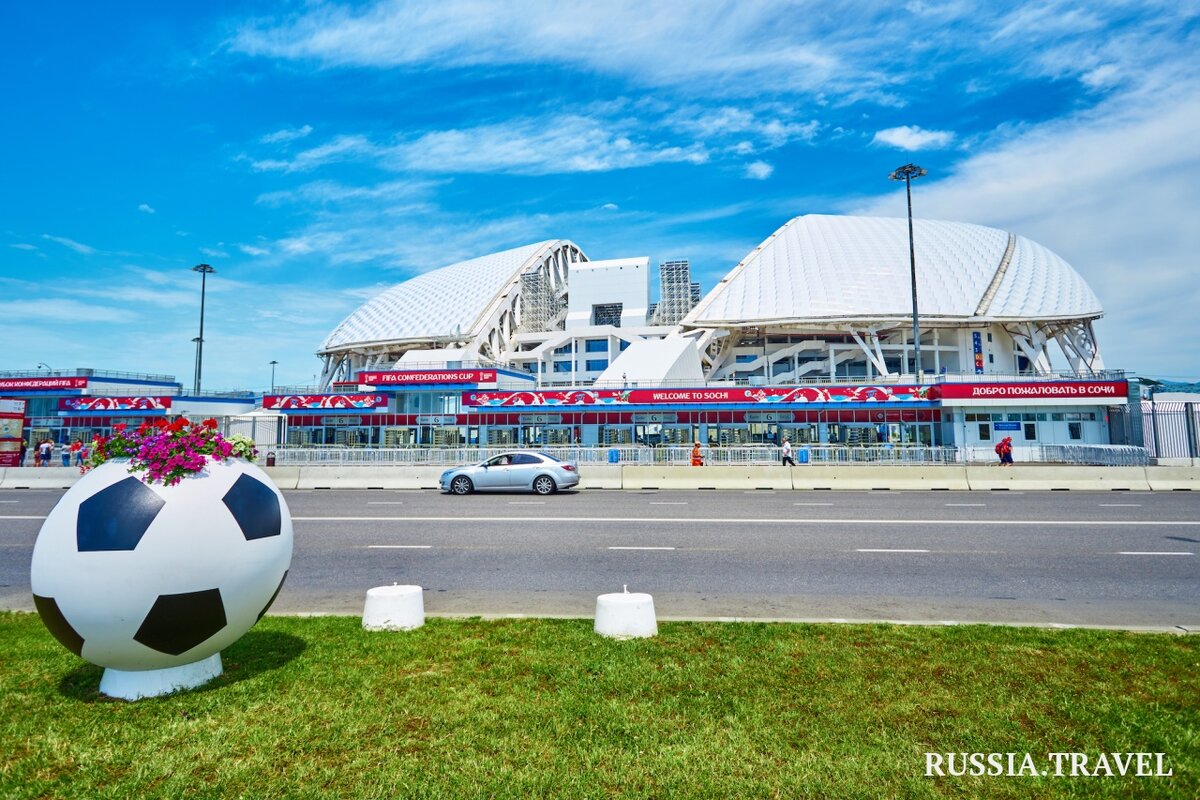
{"x": 205, "y": 270}
{"x": 907, "y": 173}
{"x": 273, "y": 363}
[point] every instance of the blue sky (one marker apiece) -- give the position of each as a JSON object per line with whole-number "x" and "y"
{"x": 315, "y": 153}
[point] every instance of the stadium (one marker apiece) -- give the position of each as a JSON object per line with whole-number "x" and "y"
{"x": 809, "y": 336}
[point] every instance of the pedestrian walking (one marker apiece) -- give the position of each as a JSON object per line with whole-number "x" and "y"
{"x": 1004, "y": 450}
{"x": 21, "y": 457}
{"x": 697, "y": 456}
{"x": 45, "y": 452}
{"x": 76, "y": 450}
{"x": 785, "y": 452}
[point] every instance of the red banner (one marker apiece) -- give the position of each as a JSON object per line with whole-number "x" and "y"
{"x": 102, "y": 404}
{"x": 35, "y": 384}
{"x": 330, "y": 401}
{"x": 1034, "y": 390}
{"x": 764, "y": 395}
{"x": 12, "y": 429}
{"x": 401, "y": 378}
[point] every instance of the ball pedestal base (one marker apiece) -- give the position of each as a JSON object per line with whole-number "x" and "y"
{"x": 136, "y": 684}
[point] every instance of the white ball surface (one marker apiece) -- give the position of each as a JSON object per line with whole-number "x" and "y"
{"x": 206, "y": 572}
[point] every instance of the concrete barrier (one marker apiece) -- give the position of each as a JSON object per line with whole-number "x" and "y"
{"x": 867, "y": 478}
{"x": 596, "y": 476}
{"x": 369, "y": 477}
{"x": 284, "y": 478}
{"x": 39, "y": 477}
{"x": 1173, "y": 479}
{"x": 1049, "y": 478}
{"x": 681, "y": 477}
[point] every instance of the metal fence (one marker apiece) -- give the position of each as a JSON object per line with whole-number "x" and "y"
{"x": 1107, "y": 455}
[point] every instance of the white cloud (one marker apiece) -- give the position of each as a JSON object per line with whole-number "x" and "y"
{"x": 759, "y": 170}
{"x": 213, "y": 252}
{"x": 610, "y": 207}
{"x": 340, "y": 148}
{"x": 620, "y": 37}
{"x": 287, "y": 135}
{"x": 1112, "y": 191}
{"x": 562, "y": 144}
{"x": 331, "y": 192}
{"x": 146, "y": 209}
{"x": 23, "y": 246}
{"x": 912, "y": 137}
{"x": 1102, "y": 76}
{"x": 251, "y": 250}
{"x": 51, "y": 308}
{"x": 71, "y": 243}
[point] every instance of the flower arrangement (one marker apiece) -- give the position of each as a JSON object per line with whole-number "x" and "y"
{"x": 167, "y": 452}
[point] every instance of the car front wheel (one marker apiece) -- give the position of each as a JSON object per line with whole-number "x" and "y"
{"x": 544, "y": 484}
{"x": 461, "y": 485}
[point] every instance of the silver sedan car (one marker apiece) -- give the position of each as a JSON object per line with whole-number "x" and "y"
{"x": 520, "y": 470}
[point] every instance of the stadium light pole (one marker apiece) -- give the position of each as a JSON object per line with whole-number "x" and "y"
{"x": 205, "y": 270}
{"x": 273, "y": 365}
{"x": 908, "y": 173}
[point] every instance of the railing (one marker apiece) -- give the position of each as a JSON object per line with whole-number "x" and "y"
{"x": 85, "y": 373}
{"x": 1102, "y": 455}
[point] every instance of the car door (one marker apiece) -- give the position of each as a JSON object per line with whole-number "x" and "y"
{"x": 495, "y": 473}
{"x": 525, "y": 468}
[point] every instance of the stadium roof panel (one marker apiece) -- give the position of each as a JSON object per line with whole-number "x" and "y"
{"x": 826, "y": 268}
{"x": 441, "y": 303}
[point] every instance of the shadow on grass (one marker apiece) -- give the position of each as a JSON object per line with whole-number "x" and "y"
{"x": 254, "y": 654}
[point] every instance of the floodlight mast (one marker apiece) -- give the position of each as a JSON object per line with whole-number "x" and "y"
{"x": 205, "y": 270}
{"x": 908, "y": 173}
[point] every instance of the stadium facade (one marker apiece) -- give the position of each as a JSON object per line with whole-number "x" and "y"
{"x": 809, "y": 337}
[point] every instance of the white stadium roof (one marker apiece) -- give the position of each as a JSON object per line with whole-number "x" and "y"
{"x": 829, "y": 268}
{"x": 445, "y": 303}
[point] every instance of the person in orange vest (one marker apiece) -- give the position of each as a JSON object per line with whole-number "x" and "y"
{"x": 697, "y": 458}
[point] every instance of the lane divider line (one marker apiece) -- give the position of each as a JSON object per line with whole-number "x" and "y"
{"x": 641, "y": 548}
{"x": 399, "y": 547}
{"x": 1152, "y": 553}
{"x": 758, "y": 521}
{"x": 886, "y": 550}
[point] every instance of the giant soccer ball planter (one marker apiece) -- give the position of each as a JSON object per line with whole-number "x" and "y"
{"x": 151, "y": 581}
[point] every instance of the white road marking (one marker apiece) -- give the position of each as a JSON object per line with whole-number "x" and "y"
{"x": 812, "y": 504}
{"x": 10, "y": 501}
{"x": 1152, "y": 553}
{"x": 1120, "y": 505}
{"x": 641, "y": 548}
{"x": 965, "y": 505}
{"x": 885, "y": 550}
{"x": 755, "y": 521}
{"x": 399, "y": 547}
{"x": 668, "y": 502}
{"x": 527, "y": 502}
{"x": 385, "y": 502}
{"x": 14, "y": 516}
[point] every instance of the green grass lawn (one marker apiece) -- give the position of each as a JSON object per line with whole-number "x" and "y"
{"x": 544, "y": 708}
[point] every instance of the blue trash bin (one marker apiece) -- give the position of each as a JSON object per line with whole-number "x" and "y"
{"x": 802, "y": 455}
{"x": 614, "y": 456}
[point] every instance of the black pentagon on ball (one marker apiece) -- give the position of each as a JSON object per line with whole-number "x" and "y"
{"x": 116, "y": 517}
{"x": 178, "y": 622}
{"x": 57, "y": 624}
{"x": 255, "y": 507}
{"x": 272, "y": 600}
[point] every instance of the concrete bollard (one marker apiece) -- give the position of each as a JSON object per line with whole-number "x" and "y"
{"x": 625, "y": 615}
{"x": 394, "y": 608}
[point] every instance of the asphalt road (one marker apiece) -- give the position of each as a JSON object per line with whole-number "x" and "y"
{"x": 1079, "y": 558}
